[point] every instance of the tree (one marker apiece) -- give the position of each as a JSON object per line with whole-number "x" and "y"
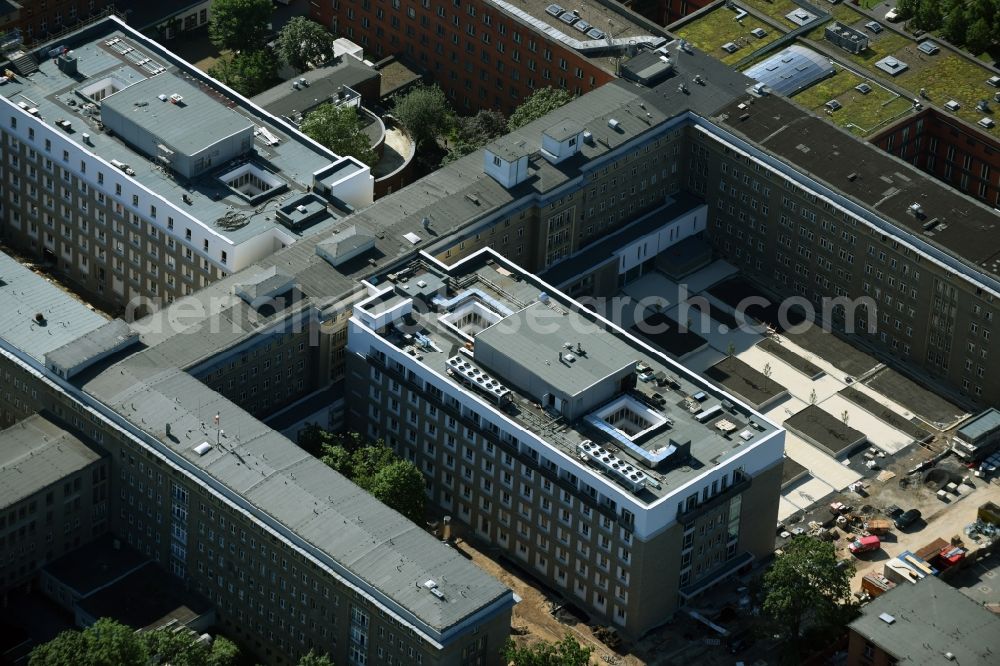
{"x": 956, "y": 24}
{"x": 336, "y": 457}
{"x": 400, "y": 485}
{"x": 239, "y": 24}
{"x": 473, "y": 132}
{"x": 907, "y": 8}
{"x": 566, "y": 652}
{"x": 928, "y": 15}
{"x": 313, "y": 437}
{"x": 542, "y": 101}
{"x": 377, "y": 469}
{"x": 368, "y": 461}
{"x": 806, "y": 583}
{"x": 339, "y": 129}
{"x": 224, "y": 652}
{"x": 302, "y": 42}
{"x": 812, "y": 397}
{"x": 979, "y": 36}
{"x": 181, "y": 648}
{"x": 247, "y": 72}
{"x": 424, "y": 111}
{"x": 767, "y": 375}
{"x": 105, "y": 643}
{"x": 313, "y": 658}
{"x": 110, "y": 643}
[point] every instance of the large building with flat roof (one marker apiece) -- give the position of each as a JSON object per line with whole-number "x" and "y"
{"x": 925, "y": 623}
{"x": 594, "y": 195}
{"x": 605, "y": 469}
{"x": 492, "y": 54}
{"x": 54, "y": 496}
{"x": 138, "y": 178}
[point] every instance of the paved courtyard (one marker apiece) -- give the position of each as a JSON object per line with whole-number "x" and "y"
{"x": 820, "y": 348}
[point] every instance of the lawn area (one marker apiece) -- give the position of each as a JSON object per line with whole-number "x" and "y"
{"x": 879, "y": 46}
{"x": 846, "y": 15}
{"x": 718, "y": 27}
{"x": 861, "y": 114}
{"x": 776, "y": 9}
{"x": 947, "y": 76}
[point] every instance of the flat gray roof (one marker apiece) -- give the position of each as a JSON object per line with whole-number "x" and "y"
{"x": 51, "y": 90}
{"x": 605, "y": 347}
{"x": 36, "y": 453}
{"x": 535, "y": 337}
{"x": 23, "y": 295}
{"x": 106, "y": 564}
{"x": 323, "y": 83}
{"x": 982, "y": 424}
{"x": 929, "y": 619}
{"x": 964, "y": 229}
{"x": 190, "y": 126}
{"x": 101, "y": 340}
{"x": 390, "y": 555}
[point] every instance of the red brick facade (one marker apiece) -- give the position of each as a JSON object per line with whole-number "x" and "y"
{"x": 38, "y": 18}
{"x": 942, "y": 146}
{"x": 481, "y": 57}
{"x": 665, "y": 12}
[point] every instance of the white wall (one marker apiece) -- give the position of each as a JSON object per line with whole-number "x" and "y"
{"x": 649, "y": 519}
{"x": 671, "y": 233}
{"x": 356, "y": 189}
{"x": 506, "y": 173}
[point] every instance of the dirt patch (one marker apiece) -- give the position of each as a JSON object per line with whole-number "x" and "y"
{"x": 925, "y": 404}
{"x": 883, "y": 413}
{"x": 665, "y": 333}
{"x": 805, "y": 366}
{"x": 741, "y": 379}
{"x": 533, "y": 619}
{"x": 195, "y": 47}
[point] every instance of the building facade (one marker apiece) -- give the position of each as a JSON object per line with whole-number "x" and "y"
{"x": 949, "y": 150}
{"x": 927, "y": 310}
{"x": 33, "y": 22}
{"x": 630, "y": 536}
{"x": 279, "y": 585}
{"x": 56, "y": 495}
{"x": 160, "y": 186}
{"x": 491, "y": 55}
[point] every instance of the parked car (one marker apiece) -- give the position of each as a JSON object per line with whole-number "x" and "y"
{"x": 892, "y": 15}
{"x": 906, "y": 519}
{"x": 865, "y": 545}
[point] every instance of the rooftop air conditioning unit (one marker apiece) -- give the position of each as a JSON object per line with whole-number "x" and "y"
{"x": 176, "y": 99}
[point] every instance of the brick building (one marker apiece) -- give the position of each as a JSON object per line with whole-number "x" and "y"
{"x": 950, "y": 150}
{"x": 665, "y": 12}
{"x": 493, "y": 54}
{"x": 36, "y": 20}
